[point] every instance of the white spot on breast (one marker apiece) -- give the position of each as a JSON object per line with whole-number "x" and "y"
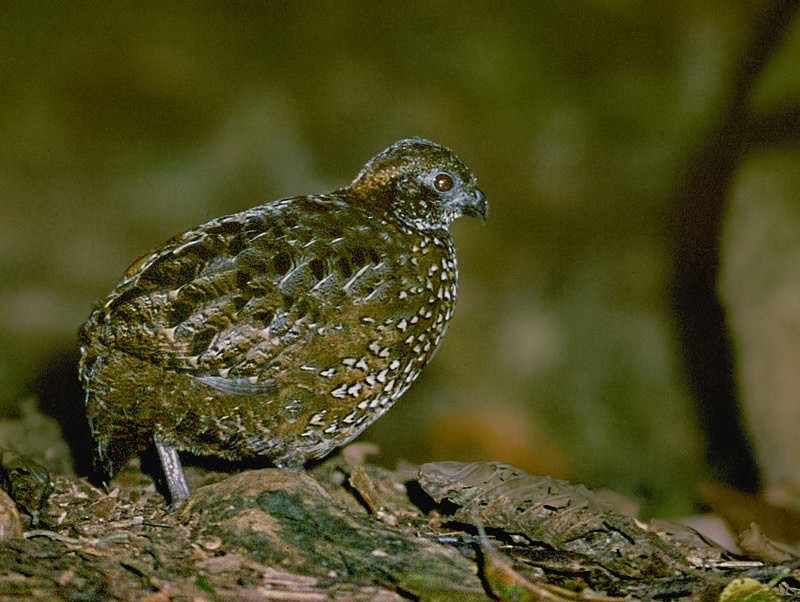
{"x": 340, "y": 392}
{"x": 354, "y": 390}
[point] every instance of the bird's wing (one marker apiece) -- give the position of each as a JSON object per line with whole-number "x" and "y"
{"x": 230, "y": 301}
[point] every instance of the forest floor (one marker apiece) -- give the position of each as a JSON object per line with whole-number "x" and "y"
{"x": 347, "y": 530}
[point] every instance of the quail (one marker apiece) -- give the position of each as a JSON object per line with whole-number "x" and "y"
{"x": 284, "y": 330}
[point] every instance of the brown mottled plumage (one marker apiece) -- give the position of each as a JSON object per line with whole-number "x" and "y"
{"x": 284, "y": 330}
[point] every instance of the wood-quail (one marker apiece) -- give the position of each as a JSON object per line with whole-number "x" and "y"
{"x": 284, "y": 330}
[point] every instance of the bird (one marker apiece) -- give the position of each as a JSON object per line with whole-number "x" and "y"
{"x": 282, "y": 331}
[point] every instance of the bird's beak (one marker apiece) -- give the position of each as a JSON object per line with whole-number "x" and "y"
{"x": 473, "y": 203}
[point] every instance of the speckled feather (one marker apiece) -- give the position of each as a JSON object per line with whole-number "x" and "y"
{"x": 284, "y": 330}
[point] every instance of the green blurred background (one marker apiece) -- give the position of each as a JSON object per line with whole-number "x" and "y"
{"x": 123, "y": 124}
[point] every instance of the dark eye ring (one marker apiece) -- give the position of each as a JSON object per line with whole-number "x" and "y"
{"x": 443, "y": 182}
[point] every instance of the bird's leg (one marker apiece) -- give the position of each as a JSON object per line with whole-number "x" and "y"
{"x": 291, "y": 461}
{"x": 173, "y": 472}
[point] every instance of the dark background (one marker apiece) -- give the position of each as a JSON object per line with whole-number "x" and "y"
{"x": 629, "y": 151}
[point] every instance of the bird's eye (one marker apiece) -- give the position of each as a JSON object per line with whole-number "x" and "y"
{"x": 443, "y": 182}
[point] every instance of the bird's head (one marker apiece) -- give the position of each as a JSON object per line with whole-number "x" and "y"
{"x": 422, "y": 183}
